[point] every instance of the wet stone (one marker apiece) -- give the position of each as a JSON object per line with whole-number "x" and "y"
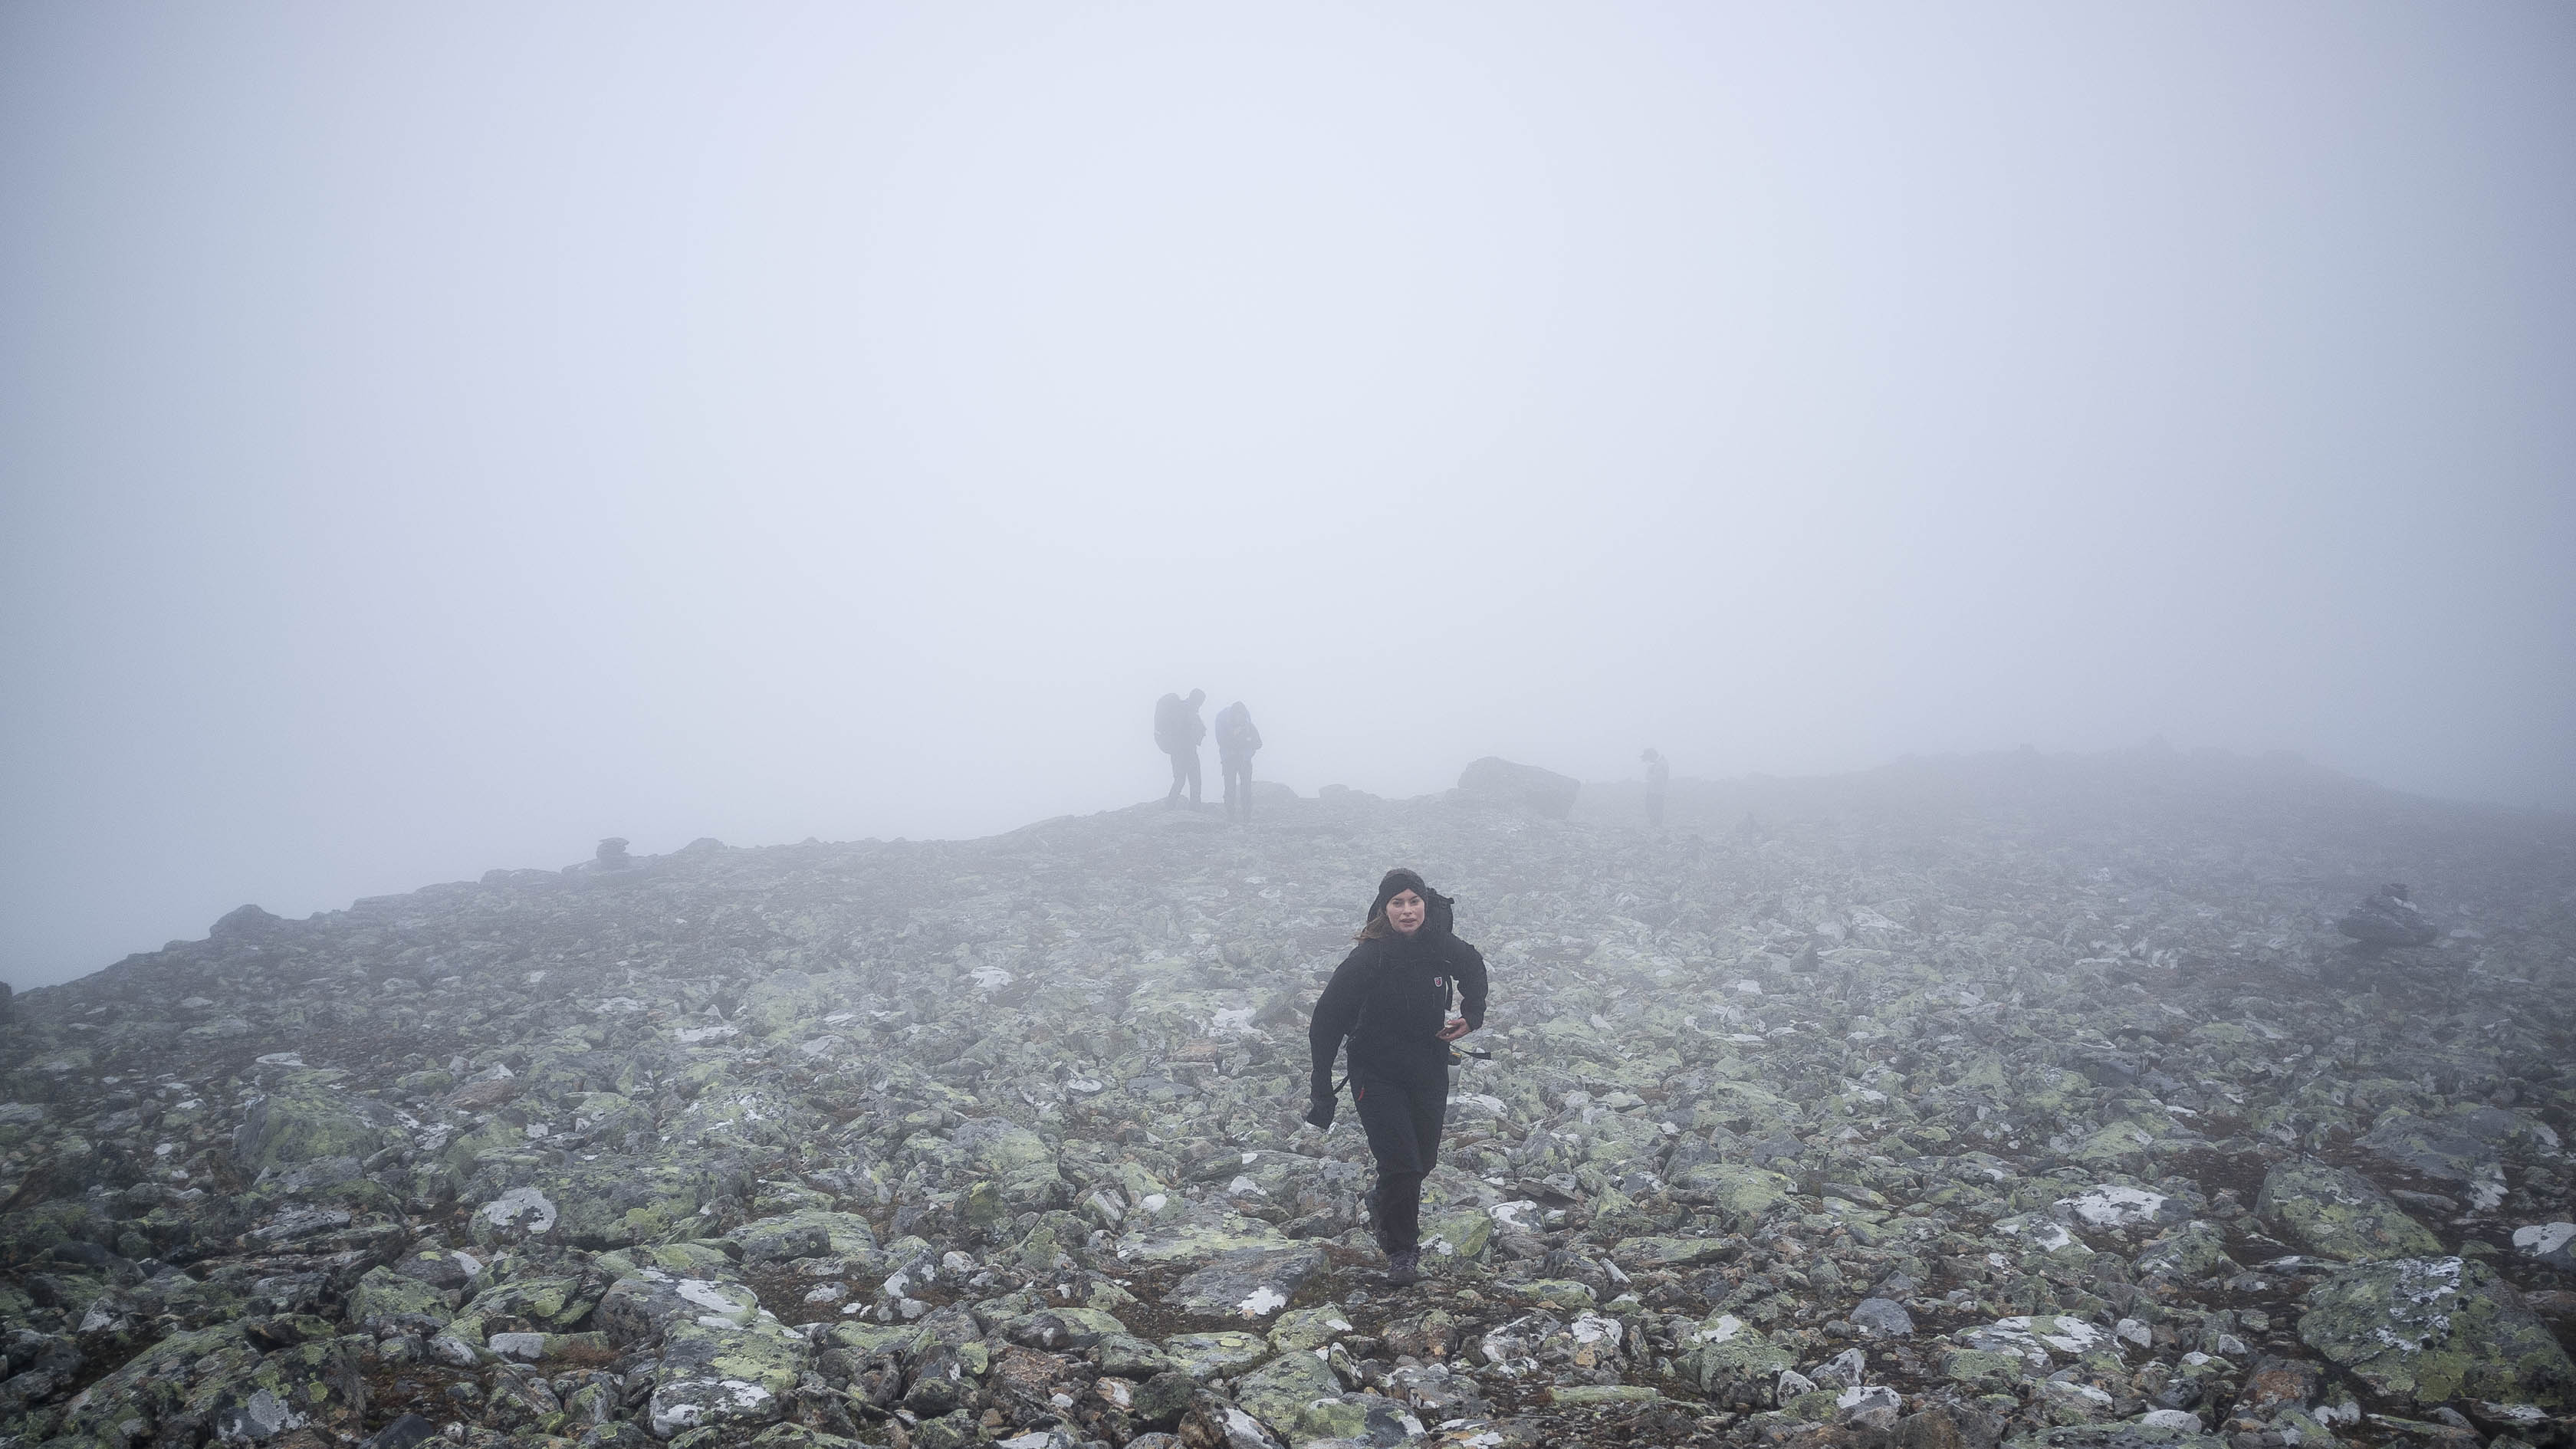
{"x": 2436, "y": 1329}
{"x": 2034, "y": 1098}
{"x": 1248, "y": 1284}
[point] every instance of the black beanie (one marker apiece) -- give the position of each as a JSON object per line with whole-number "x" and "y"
{"x": 1436, "y": 917}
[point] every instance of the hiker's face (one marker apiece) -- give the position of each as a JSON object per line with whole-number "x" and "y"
{"x": 1404, "y": 911}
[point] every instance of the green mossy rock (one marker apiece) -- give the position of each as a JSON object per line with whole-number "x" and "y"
{"x": 1580, "y": 1395}
{"x": 2335, "y": 1212}
{"x": 2191, "y": 1252}
{"x": 217, "y": 1377}
{"x": 1205, "y": 1356}
{"x": 1462, "y": 1233}
{"x": 385, "y": 1298}
{"x": 1732, "y": 1363}
{"x": 807, "y": 1233}
{"x": 550, "y": 1303}
{"x": 2432, "y": 1330}
{"x": 302, "y": 1118}
{"x": 1279, "y": 1391}
{"x": 1306, "y": 1329}
{"x": 1740, "y": 1194}
{"x": 1199, "y": 1237}
{"x": 1662, "y": 1252}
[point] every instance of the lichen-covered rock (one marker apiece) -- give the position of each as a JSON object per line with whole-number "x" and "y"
{"x": 2464, "y": 1146}
{"x": 1305, "y": 1329}
{"x": 2336, "y": 1212}
{"x": 2195, "y": 1250}
{"x": 1741, "y": 1194}
{"x": 218, "y": 1383}
{"x": 1216, "y": 1355}
{"x": 1252, "y": 1283}
{"x": 613, "y": 1202}
{"x": 301, "y": 1118}
{"x": 768, "y": 1145}
{"x": 1460, "y": 1233}
{"x": 1199, "y": 1237}
{"x": 805, "y": 1233}
{"x": 2432, "y": 1330}
{"x": 1279, "y": 1392}
{"x": 1733, "y": 1363}
{"x": 386, "y": 1299}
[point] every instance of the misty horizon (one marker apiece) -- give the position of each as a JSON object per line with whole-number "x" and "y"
{"x": 433, "y": 442}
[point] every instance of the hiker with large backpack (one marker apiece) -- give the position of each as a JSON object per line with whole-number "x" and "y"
{"x": 1392, "y": 997}
{"x": 1236, "y": 741}
{"x": 1177, "y": 732}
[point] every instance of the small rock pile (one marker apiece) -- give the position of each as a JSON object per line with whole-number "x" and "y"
{"x": 2024, "y": 1099}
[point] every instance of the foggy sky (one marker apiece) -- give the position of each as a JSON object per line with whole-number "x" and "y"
{"x": 434, "y": 438}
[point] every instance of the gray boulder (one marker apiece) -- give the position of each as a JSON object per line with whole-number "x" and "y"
{"x": 2386, "y": 917}
{"x": 2431, "y": 1330}
{"x": 1249, "y": 1284}
{"x": 1495, "y": 781}
{"x": 2336, "y": 1212}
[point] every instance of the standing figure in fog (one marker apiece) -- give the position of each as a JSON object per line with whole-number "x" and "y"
{"x": 1177, "y": 732}
{"x": 1392, "y": 998}
{"x": 1658, "y": 775}
{"x": 1236, "y": 740}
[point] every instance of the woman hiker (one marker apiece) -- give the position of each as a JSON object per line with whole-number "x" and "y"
{"x": 1391, "y": 996}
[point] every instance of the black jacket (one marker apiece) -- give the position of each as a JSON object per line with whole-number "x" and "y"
{"x": 1177, "y": 726}
{"x": 1390, "y": 997}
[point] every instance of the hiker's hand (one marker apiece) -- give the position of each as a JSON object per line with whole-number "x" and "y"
{"x": 1319, "y": 1112}
{"x": 1456, "y": 1028}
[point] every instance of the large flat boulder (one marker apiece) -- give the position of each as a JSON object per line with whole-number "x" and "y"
{"x": 1252, "y": 1283}
{"x": 1197, "y": 1237}
{"x": 302, "y": 1119}
{"x": 2335, "y": 1212}
{"x": 2432, "y": 1330}
{"x": 1500, "y": 782}
{"x": 2464, "y": 1147}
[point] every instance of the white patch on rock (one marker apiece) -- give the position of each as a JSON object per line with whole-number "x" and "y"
{"x": 521, "y": 1203}
{"x": 2115, "y": 1207}
{"x": 1593, "y": 1328}
{"x": 1262, "y": 1300}
{"x": 1727, "y": 1326}
{"x": 518, "y": 1347}
{"x": 2543, "y": 1239}
{"x": 706, "y": 1295}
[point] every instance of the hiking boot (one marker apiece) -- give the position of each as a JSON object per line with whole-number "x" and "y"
{"x": 1404, "y": 1267}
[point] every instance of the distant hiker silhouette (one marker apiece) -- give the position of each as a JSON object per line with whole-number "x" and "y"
{"x": 1658, "y": 775}
{"x": 1237, "y": 739}
{"x": 1177, "y": 732}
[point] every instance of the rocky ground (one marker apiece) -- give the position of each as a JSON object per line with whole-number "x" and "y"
{"x": 2018, "y": 1098}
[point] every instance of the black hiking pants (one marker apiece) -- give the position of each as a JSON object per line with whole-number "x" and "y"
{"x": 1185, "y": 771}
{"x": 1402, "y": 1115}
{"x": 1238, "y": 785}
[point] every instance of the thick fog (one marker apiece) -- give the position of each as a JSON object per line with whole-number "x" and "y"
{"x": 434, "y": 439}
